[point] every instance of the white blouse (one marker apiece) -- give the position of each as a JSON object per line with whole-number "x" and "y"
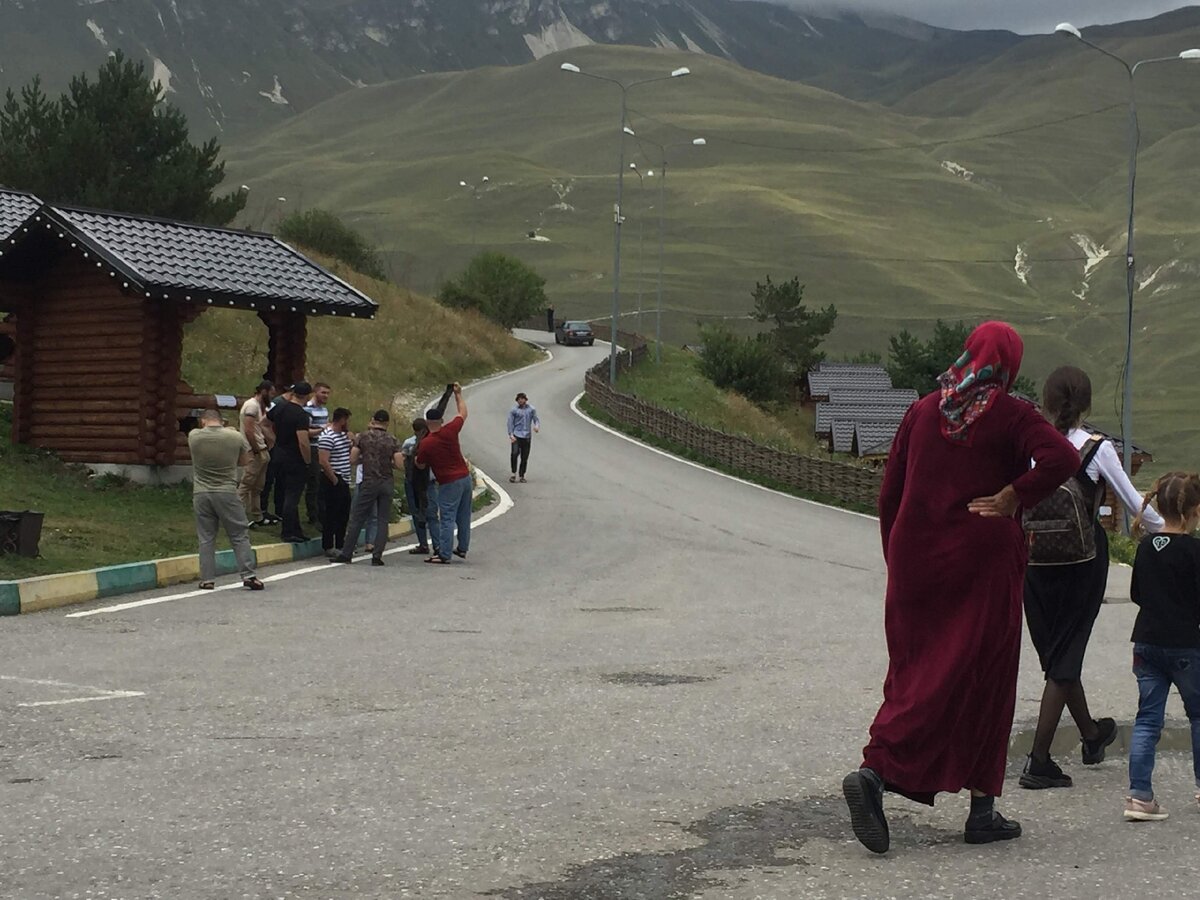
{"x": 1107, "y": 465}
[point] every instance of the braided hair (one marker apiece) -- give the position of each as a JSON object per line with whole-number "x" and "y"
{"x": 1175, "y": 495}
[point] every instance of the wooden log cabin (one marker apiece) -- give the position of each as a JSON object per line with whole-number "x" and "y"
{"x": 96, "y": 303}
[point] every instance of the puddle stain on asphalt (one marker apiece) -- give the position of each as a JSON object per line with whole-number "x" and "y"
{"x": 760, "y": 836}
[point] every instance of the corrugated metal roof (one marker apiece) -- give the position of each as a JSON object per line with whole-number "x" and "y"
{"x": 821, "y": 383}
{"x": 15, "y": 208}
{"x": 842, "y": 437}
{"x": 199, "y": 264}
{"x": 874, "y": 438}
{"x": 882, "y": 397}
{"x": 828, "y": 413}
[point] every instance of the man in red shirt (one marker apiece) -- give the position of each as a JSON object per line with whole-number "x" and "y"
{"x": 439, "y": 451}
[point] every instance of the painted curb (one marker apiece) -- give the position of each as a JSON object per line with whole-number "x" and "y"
{"x": 68, "y": 588}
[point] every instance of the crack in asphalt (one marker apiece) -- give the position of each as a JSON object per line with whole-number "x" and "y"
{"x": 736, "y": 838}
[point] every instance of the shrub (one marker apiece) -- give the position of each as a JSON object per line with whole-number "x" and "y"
{"x": 321, "y": 230}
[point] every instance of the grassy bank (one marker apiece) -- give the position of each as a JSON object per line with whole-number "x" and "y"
{"x": 677, "y": 385}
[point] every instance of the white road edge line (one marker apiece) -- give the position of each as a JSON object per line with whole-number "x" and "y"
{"x": 695, "y": 465}
{"x": 505, "y": 504}
{"x": 101, "y": 693}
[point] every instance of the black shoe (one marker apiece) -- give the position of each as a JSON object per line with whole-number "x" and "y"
{"x": 420, "y": 549}
{"x": 1093, "y": 751}
{"x": 376, "y": 561}
{"x": 341, "y": 559}
{"x": 863, "y": 791}
{"x": 295, "y": 539}
{"x": 989, "y": 828}
{"x": 1037, "y": 775}
{"x": 460, "y": 553}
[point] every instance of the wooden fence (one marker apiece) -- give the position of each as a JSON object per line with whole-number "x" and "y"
{"x": 811, "y": 475}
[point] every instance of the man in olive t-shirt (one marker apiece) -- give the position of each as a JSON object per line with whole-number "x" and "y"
{"x": 216, "y": 453}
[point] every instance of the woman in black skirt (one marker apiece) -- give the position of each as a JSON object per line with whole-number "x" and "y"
{"x": 1062, "y": 601}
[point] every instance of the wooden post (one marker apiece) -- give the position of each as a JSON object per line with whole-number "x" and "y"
{"x": 286, "y": 346}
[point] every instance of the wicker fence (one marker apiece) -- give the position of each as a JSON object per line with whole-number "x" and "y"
{"x": 808, "y": 474}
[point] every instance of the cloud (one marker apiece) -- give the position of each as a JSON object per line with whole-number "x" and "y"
{"x": 1025, "y": 16}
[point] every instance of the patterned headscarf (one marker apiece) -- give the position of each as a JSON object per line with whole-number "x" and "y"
{"x": 988, "y": 365}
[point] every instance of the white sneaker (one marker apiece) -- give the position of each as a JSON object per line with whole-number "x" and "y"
{"x": 1144, "y": 810}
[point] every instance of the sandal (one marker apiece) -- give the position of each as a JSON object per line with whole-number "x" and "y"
{"x": 207, "y": 585}
{"x": 415, "y": 551}
{"x": 253, "y": 584}
{"x": 437, "y": 561}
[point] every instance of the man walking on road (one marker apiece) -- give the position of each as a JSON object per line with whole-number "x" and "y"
{"x": 522, "y": 423}
{"x": 254, "y": 476}
{"x": 217, "y": 451}
{"x": 333, "y": 449}
{"x": 293, "y": 454}
{"x": 440, "y": 451}
{"x": 379, "y": 453}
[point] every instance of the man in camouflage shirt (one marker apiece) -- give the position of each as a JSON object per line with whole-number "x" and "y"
{"x": 379, "y": 454}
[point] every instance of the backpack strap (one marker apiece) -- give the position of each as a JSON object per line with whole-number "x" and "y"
{"x": 1087, "y": 454}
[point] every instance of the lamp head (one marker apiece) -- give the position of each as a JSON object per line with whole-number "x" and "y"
{"x": 462, "y": 184}
{"x": 681, "y": 71}
{"x": 1190, "y": 54}
{"x": 1067, "y": 28}
{"x": 570, "y": 67}
{"x": 650, "y": 173}
{"x": 629, "y": 131}
{"x": 246, "y": 188}
{"x": 699, "y": 142}
{"x": 485, "y": 179}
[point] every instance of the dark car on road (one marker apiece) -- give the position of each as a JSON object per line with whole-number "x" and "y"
{"x": 574, "y": 333}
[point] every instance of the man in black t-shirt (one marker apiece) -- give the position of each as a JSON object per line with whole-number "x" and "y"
{"x": 293, "y": 454}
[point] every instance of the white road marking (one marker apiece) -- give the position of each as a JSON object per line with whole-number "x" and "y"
{"x": 505, "y": 504}
{"x": 687, "y": 462}
{"x": 99, "y": 693}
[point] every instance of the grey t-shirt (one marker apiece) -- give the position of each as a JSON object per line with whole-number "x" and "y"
{"x": 215, "y": 454}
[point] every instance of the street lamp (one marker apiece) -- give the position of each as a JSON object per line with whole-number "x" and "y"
{"x": 662, "y": 207}
{"x": 474, "y": 188}
{"x": 1130, "y": 282}
{"x": 641, "y": 244}
{"x": 625, "y": 129}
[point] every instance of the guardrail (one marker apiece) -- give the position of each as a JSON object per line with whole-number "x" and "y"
{"x": 809, "y": 475}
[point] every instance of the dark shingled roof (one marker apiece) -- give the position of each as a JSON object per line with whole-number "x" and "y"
{"x": 15, "y": 208}
{"x": 874, "y": 438}
{"x": 195, "y": 263}
{"x": 870, "y": 378}
{"x": 890, "y": 397}
{"x": 828, "y": 413}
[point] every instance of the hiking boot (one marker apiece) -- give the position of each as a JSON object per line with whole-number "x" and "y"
{"x": 987, "y": 829}
{"x": 1093, "y": 751}
{"x": 863, "y": 790}
{"x": 1143, "y": 810}
{"x": 1037, "y": 775}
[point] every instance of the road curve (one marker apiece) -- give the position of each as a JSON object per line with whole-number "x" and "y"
{"x": 645, "y": 683}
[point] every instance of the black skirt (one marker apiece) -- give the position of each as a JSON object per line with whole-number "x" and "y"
{"x": 1061, "y": 605}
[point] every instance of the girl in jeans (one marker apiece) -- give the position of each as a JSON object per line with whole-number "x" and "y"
{"x": 1166, "y": 635}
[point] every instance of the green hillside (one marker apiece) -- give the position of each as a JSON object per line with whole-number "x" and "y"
{"x": 897, "y": 215}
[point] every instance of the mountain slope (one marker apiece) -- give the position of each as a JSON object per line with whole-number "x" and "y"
{"x": 896, "y": 215}
{"x": 230, "y": 64}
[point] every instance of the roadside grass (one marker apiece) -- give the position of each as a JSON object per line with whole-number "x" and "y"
{"x": 90, "y": 521}
{"x": 412, "y": 348}
{"x": 678, "y": 385}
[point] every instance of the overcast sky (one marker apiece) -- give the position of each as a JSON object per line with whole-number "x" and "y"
{"x": 1025, "y": 16}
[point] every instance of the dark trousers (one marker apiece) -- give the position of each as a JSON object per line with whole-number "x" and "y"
{"x": 335, "y": 505}
{"x": 521, "y": 449}
{"x": 373, "y": 500}
{"x": 314, "y": 500}
{"x": 274, "y": 482}
{"x": 293, "y": 473}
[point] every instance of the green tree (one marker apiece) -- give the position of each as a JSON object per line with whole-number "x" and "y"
{"x": 913, "y": 363}
{"x": 743, "y": 364}
{"x": 501, "y": 287}
{"x": 797, "y": 332}
{"x": 112, "y": 143}
{"x": 321, "y": 230}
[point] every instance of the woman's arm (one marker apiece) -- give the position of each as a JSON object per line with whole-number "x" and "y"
{"x": 1055, "y": 458}
{"x": 891, "y": 492}
{"x": 1109, "y": 465}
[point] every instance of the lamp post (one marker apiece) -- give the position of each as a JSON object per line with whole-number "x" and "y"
{"x": 662, "y": 211}
{"x": 474, "y": 188}
{"x": 625, "y": 129}
{"x": 641, "y": 244}
{"x": 1130, "y": 270}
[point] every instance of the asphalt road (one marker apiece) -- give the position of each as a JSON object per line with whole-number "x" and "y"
{"x": 646, "y": 683}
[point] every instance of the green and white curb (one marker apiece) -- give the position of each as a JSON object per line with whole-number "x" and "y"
{"x": 53, "y": 591}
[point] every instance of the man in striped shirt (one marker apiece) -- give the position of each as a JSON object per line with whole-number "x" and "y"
{"x": 333, "y": 447}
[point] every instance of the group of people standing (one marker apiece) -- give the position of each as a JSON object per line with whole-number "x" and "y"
{"x": 967, "y": 460}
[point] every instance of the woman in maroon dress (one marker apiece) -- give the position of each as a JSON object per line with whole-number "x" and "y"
{"x": 958, "y": 472}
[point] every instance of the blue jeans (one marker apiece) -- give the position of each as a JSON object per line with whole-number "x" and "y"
{"x": 454, "y": 506}
{"x": 1157, "y": 668}
{"x": 417, "y": 511}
